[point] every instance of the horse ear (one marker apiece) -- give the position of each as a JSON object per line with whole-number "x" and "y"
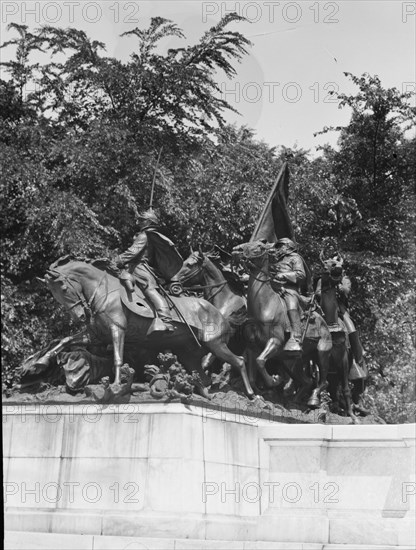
{"x": 321, "y": 256}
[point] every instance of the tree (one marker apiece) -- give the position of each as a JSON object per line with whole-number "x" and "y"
{"x": 82, "y": 147}
{"x": 373, "y": 163}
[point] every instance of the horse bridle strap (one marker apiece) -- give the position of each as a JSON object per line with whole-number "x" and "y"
{"x": 192, "y": 274}
{"x": 220, "y": 286}
{"x": 203, "y": 287}
{"x": 87, "y": 305}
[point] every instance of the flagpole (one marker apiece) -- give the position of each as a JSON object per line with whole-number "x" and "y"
{"x": 154, "y": 179}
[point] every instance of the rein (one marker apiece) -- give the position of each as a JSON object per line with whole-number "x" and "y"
{"x": 197, "y": 271}
{"x": 252, "y": 264}
{"x": 87, "y": 305}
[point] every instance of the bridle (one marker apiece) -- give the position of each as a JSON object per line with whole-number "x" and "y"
{"x": 196, "y": 271}
{"x": 87, "y": 305}
{"x": 253, "y": 265}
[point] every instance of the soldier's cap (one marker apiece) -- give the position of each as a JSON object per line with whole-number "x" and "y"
{"x": 149, "y": 216}
{"x": 288, "y": 242}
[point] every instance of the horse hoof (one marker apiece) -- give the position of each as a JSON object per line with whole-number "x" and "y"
{"x": 313, "y": 403}
{"x": 203, "y": 392}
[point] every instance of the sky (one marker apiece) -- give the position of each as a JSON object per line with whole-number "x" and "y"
{"x": 300, "y": 51}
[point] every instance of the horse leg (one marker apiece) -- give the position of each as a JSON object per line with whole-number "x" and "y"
{"x": 250, "y": 355}
{"x": 346, "y": 388}
{"x": 357, "y": 391}
{"x": 117, "y": 334}
{"x": 272, "y": 347}
{"x": 208, "y": 360}
{"x": 324, "y": 350}
{"x": 222, "y": 351}
{"x": 296, "y": 370}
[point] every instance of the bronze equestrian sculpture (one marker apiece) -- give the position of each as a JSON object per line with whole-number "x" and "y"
{"x": 94, "y": 296}
{"x": 266, "y": 326}
{"x": 342, "y": 361}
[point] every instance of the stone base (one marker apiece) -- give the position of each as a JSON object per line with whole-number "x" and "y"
{"x": 15, "y": 540}
{"x": 194, "y": 478}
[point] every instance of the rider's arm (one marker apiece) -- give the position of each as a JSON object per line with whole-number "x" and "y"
{"x": 133, "y": 253}
{"x": 344, "y": 290}
{"x": 297, "y": 275}
{"x": 318, "y": 290}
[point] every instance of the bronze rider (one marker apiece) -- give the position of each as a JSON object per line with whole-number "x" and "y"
{"x": 289, "y": 275}
{"x": 151, "y": 256}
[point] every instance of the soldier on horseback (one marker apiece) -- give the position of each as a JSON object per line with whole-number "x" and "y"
{"x": 151, "y": 256}
{"x": 333, "y": 261}
{"x": 288, "y": 277}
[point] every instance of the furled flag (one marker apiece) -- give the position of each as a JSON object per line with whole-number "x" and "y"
{"x": 274, "y": 222}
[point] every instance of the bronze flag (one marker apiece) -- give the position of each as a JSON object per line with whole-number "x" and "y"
{"x": 274, "y": 222}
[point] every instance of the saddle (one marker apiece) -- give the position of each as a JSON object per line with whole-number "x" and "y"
{"x": 136, "y": 302}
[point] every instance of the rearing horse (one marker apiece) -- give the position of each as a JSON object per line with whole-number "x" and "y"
{"x": 341, "y": 358}
{"x": 267, "y": 323}
{"x": 199, "y": 269}
{"x": 94, "y": 296}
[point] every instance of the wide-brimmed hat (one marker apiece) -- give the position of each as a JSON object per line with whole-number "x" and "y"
{"x": 149, "y": 216}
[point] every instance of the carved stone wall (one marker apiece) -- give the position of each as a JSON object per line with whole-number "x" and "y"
{"x": 157, "y": 473}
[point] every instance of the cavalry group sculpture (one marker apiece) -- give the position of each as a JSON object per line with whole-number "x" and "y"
{"x": 272, "y": 333}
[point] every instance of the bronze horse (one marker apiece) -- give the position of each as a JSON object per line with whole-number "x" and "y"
{"x": 341, "y": 358}
{"x": 93, "y": 295}
{"x": 267, "y": 322}
{"x": 199, "y": 272}
{"x": 198, "y": 269}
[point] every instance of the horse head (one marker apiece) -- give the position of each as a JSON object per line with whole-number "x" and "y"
{"x": 254, "y": 252}
{"x": 333, "y": 267}
{"x": 192, "y": 268}
{"x": 68, "y": 292}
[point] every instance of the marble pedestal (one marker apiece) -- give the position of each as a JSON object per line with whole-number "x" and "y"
{"x": 187, "y": 475}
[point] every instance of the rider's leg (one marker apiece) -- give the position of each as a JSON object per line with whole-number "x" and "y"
{"x": 161, "y": 307}
{"x": 148, "y": 285}
{"x": 356, "y": 346}
{"x": 127, "y": 280}
{"x": 292, "y": 304}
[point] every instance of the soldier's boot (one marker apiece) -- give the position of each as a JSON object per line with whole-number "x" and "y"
{"x": 129, "y": 285}
{"x": 163, "y": 321}
{"x": 293, "y": 344}
{"x": 358, "y": 369}
{"x": 127, "y": 280}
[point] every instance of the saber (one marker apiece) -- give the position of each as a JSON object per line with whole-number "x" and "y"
{"x": 311, "y": 304}
{"x": 154, "y": 179}
{"x": 169, "y": 299}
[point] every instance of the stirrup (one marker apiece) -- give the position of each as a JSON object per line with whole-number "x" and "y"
{"x": 160, "y": 326}
{"x": 356, "y": 371}
{"x": 335, "y": 328}
{"x": 292, "y": 345}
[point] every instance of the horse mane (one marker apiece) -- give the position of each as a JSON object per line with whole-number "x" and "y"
{"x": 235, "y": 282}
{"x": 231, "y": 277}
{"x": 103, "y": 264}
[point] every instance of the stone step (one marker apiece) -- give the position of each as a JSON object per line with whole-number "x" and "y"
{"x": 25, "y": 540}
